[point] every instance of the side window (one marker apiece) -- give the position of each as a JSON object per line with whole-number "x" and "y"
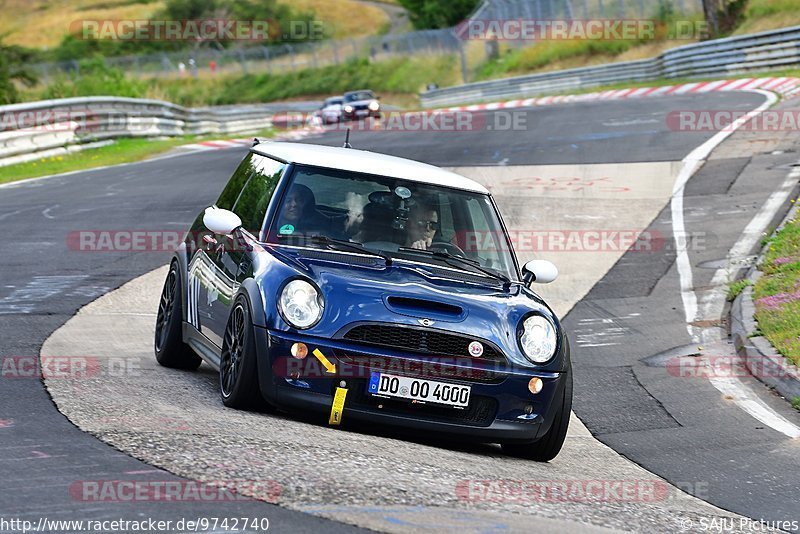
{"x": 481, "y": 241}
{"x": 231, "y": 192}
{"x": 256, "y": 195}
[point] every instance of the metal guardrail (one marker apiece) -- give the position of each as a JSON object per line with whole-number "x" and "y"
{"x": 33, "y": 130}
{"x": 732, "y": 55}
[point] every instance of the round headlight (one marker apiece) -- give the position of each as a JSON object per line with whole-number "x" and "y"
{"x": 348, "y": 109}
{"x": 374, "y": 105}
{"x": 300, "y": 304}
{"x": 538, "y": 339}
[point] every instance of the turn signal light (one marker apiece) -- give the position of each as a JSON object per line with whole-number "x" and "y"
{"x": 299, "y": 351}
{"x": 535, "y": 385}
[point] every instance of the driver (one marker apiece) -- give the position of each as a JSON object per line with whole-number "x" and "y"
{"x": 422, "y": 225}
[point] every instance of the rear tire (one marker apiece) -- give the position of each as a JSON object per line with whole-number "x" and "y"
{"x": 548, "y": 446}
{"x": 170, "y": 350}
{"x": 238, "y": 369}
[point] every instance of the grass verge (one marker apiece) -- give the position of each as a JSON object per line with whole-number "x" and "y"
{"x": 777, "y": 292}
{"x": 736, "y": 288}
{"x": 401, "y": 75}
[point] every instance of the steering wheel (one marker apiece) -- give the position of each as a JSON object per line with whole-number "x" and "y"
{"x": 448, "y": 247}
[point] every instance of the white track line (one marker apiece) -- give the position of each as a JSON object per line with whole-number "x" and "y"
{"x": 731, "y": 387}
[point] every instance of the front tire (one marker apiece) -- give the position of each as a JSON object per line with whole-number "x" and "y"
{"x": 548, "y": 446}
{"x": 238, "y": 369}
{"x": 170, "y": 350}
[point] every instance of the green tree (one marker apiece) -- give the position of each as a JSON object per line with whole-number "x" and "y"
{"x": 14, "y": 61}
{"x": 438, "y": 13}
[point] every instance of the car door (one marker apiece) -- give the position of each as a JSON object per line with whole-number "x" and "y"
{"x": 202, "y": 286}
{"x": 232, "y": 259}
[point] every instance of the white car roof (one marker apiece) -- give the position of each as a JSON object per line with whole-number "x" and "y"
{"x": 349, "y": 159}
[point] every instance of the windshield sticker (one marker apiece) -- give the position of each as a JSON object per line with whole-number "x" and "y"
{"x": 286, "y": 229}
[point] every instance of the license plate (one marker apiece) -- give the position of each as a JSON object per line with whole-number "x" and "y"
{"x": 417, "y": 389}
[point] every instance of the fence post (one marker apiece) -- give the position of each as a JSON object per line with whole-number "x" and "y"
{"x": 335, "y": 52}
{"x": 265, "y": 51}
{"x": 464, "y": 70}
{"x": 243, "y": 61}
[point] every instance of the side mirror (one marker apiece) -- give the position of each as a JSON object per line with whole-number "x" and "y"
{"x": 539, "y": 271}
{"x": 219, "y": 221}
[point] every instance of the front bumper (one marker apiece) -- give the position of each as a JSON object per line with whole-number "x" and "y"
{"x": 501, "y": 408}
{"x": 361, "y": 114}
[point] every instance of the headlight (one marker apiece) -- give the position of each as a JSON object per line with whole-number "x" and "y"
{"x": 374, "y": 105}
{"x": 300, "y": 304}
{"x": 348, "y": 109}
{"x": 538, "y": 339}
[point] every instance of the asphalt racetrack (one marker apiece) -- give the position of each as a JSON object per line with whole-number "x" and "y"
{"x": 622, "y": 311}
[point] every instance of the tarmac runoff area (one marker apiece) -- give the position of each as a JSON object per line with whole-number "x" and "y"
{"x": 175, "y": 420}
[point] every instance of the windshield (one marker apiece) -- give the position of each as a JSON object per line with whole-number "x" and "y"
{"x": 333, "y": 102}
{"x": 359, "y": 95}
{"x": 398, "y": 218}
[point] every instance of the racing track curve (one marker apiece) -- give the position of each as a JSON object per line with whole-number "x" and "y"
{"x": 39, "y": 294}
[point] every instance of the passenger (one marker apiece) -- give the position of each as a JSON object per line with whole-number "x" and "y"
{"x": 299, "y": 214}
{"x": 421, "y": 227}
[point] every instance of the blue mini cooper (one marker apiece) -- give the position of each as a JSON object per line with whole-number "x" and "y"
{"x": 369, "y": 288}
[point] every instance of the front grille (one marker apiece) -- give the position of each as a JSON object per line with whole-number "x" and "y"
{"x": 421, "y": 341}
{"x": 480, "y": 412}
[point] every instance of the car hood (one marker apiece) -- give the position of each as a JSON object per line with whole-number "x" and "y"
{"x": 361, "y": 102}
{"x": 410, "y": 294}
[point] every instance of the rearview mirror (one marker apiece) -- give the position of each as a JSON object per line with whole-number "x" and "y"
{"x": 221, "y": 221}
{"x": 539, "y": 271}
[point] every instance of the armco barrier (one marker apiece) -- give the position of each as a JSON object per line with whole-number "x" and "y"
{"x": 32, "y": 130}
{"x": 774, "y": 49}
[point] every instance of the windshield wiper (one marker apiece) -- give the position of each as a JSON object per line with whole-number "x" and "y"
{"x": 448, "y": 258}
{"x": 332, "y": 243}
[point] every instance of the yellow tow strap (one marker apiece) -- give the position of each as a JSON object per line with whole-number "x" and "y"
{"x": 338, "y": 406}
